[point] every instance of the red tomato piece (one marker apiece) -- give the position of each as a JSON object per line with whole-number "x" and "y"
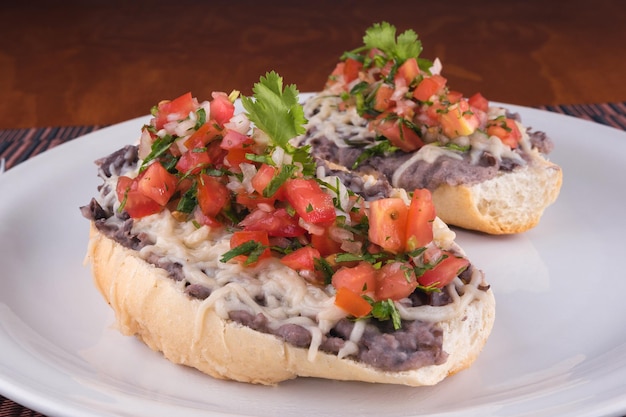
{"x": 235, "y": 140}
{"x": 276, "y": 223}
{"x": 206, "y": 133}
{"x": 203, "y": 219}
{"x": 221, "y": 108}
{"x": 177, "y": 109}
{"x": 193, "y": 161}
{"x": 506, "y": 130}
{"x": 395, "y": 280}
{"x": 241, "y": 237}
{"x": 360, "y": 279}
{"x": 325, "y": 244}
{"x": 479, "y": 102}
{"x": 301, "y": 259}
{"x": 428, "y": 87}
{"x": 252, "y": 201}
{"x": 352, "y": 303}
{"x": 213, "y": 196}
{"x": 133, "y": 201}
{"x": 387, "y": 224}
{"x": 235, "y": 157}
{"x": 351, "y": 70}
{"x": 399, "y": 134}
{"x": 409, "y": 70}
{"x": 263, "y": 177}
{"x": 445, "y": 271}
{"x": 310, "y": 201}
{"x": 419, "y": 228}
{"x": 382, "y": 100}
{"x": 333, "y": 78}
{"x": 156, "y": 183}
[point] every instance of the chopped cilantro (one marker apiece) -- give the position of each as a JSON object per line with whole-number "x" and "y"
{"x": 159, "y": 147}
{"x": 386, "y": 310}
{"x": 382, "y": 147}
{"x": 252, "y": 249}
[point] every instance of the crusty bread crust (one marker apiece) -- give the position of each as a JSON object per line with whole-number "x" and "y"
{"x": 512, "y": 202}
{"x": 148, "y": 304}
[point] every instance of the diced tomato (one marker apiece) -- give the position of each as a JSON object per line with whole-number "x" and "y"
{"x": 206, "y": 133}
{"x": 479, "y": 102}
{"x": 434, "y": 112}
{"x": 360, "y": 279}
{"x": 409, "y": 70}
{"x": 193, "y": 161}
{"x": 454, "y": 96}
{"x": 382, "y": 99}
{"x": 133, "y": 201}
{"x": 221, "y": 108}
{"x": 358, "y": 211}
{"x": 203, "y": 219}
{"x": 235, "y": 157}
{"x": 458, "y": 120}
{"x": 301, "y": 259}
{"x": 333, "y": 78}
{"x": 387, "y": 224}
{"x": 352, "y": 303}
{"x": 177, "y": 109}
{"x": 216, "y": 154}
{"x": 428, "y": 87}
{"x": 235, "y": 140}
{"x": 252, "y": 201}
{"x": 351, "y": 69}
{"x": 310, "y": 201}
{"x": 325, "y": 244}
{"x": 506, "y": 129}
{"x": 444, "y": 272}
{"x": 240, "y": 237}
{"x": 398, "y": 133}
{"x": 419, "y": 227}
{"x": 213, "y": 196}
{"x": 158, "y": 184}
{"x": 395, "y": 280}
{"x": 263, "y": 177}
{"x": 276, "y": 223}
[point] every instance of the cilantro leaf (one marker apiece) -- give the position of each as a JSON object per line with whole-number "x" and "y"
{"x": 382, "y": 36}
{"x": 274, "y": 110}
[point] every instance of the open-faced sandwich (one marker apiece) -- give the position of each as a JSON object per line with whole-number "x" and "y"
{"x": 387, "y": 113}
{"x": 224, "y": 247}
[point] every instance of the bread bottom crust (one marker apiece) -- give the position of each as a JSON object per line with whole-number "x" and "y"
{"x": 149, "y": 305}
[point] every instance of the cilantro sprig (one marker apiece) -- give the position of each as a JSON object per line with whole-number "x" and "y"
{"x": 276, "y": 110}
{"x": 382, "y": 36}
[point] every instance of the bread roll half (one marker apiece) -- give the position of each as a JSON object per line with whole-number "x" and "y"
{"x": 148, "y": 304}
{"x": 512, "y": 202}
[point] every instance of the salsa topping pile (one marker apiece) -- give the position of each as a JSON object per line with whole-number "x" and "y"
{"x": 239, "y": 173}
{"x": 406, "y": 100}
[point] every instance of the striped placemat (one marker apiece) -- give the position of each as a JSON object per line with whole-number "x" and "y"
{"x": 18, "y": 145}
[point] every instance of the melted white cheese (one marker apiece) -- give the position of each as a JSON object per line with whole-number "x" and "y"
{"x": 287, "y": 297}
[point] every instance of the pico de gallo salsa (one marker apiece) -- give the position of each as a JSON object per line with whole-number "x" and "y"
{"x": 239, "y": 172}
{"x": 406, "y": 100}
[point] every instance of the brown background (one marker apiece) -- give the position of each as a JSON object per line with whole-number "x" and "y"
{"x": 101, "y": 62}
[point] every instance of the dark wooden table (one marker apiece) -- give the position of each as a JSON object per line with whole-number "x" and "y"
{"x": 93, "y": 63}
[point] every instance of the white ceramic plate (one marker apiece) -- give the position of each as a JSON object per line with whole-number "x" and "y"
{"x": 558, "y": 346}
